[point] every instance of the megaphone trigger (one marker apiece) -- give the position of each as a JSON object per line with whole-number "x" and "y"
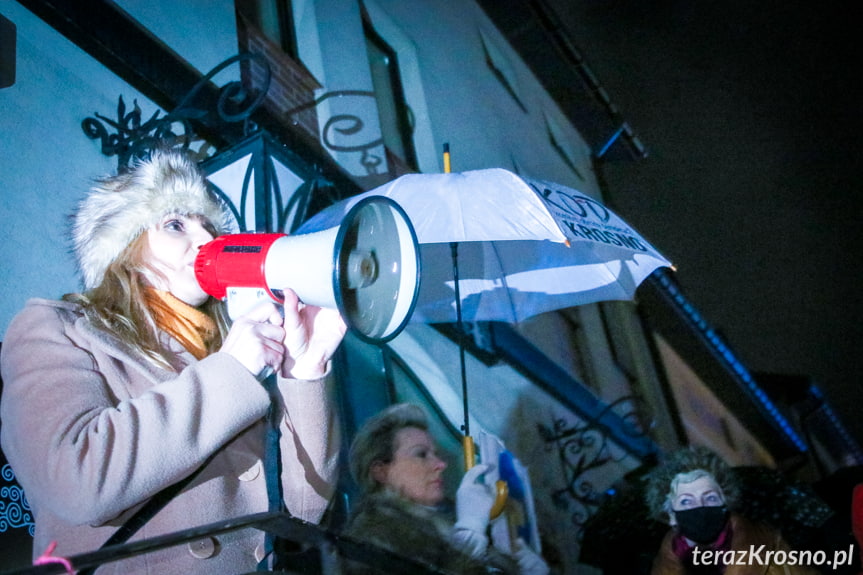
{"x": 241, "y": 300}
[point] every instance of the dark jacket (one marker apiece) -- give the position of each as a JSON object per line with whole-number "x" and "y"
{"x": 746, "y": 535}
{"x": 418, "y": 532}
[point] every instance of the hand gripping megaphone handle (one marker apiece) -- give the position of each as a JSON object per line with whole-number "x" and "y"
{"x": 501, "y": 487}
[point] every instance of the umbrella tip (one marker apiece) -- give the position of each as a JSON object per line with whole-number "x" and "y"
{"x": 446, "y": 161}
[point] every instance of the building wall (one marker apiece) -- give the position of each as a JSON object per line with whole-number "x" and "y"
{"x": 470, "y": 108}
{"x": 604, "y": 346}
{"x": 47, "y": 161}
{"x": 706, "y": 420}
{"x": 200, "y": 31}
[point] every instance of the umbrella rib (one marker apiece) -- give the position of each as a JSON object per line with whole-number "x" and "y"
{"x": 509, "y": 299}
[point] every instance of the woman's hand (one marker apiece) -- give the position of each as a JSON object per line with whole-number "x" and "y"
{"x": 474, "y": 499}
{"x": 256, "y": 339}
{"x": 312, "y": 335}
{"x": 529, "y": 562}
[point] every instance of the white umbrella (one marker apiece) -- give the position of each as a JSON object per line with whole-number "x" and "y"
{"x": 495, "y": 246}
{"x": 525, "y": 246}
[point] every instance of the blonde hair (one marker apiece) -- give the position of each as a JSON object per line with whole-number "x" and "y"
{"x": 117, "y": 305}
{"x": 376, "y": 441}
{"x": 109, "y": 231}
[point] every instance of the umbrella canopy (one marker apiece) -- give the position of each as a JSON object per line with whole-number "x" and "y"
{"x": 525, "y": 246}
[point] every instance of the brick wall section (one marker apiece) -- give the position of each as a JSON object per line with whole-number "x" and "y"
{"x": 291, "y": 85}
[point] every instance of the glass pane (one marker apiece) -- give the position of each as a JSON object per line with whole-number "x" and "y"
{"x": 408, "y": 389}
{"x": 274, "y": 18}
{"x": 392, "y": 108}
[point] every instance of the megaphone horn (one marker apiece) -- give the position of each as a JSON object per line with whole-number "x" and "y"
{"x": 368, "y": 267}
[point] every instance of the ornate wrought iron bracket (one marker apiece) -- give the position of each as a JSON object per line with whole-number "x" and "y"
{"x": 348, "y": 125}
{"x": 129, "y": 137}
{"x": 135, "y": 139}
{"x": 583, "y": 447}
{"x": 345, "y": 125}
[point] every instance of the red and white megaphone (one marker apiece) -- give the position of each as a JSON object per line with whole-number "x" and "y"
{"x": 368, "y": 267}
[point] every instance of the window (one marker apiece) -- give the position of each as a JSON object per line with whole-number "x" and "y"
{"x": 7, "y": 52}
{"x": 395, "y": 116}
{"x": 275, "y": 18}
{"x": 407, "y": 387}
{"x": 501, "y": 68}
{"x": 559, "y": 145}
{"x": 577, "y": 359}
{"x": 616, "y": 325}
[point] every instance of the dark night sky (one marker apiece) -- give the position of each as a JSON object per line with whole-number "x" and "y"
{"x": 751, "y": 114}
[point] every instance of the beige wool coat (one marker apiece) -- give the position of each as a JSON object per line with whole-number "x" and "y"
{"x": 93, "y": 431}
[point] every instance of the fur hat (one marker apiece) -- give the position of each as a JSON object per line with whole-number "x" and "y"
{"x": 119, "y": 208}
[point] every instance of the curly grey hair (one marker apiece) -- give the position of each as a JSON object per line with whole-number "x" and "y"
{"x": 686, "y": 465}
{"x": 375, "y": 441}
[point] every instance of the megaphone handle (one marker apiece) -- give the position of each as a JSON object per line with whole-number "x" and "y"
{"x": 501, "y": 487}
{"x": 241, "y": 300}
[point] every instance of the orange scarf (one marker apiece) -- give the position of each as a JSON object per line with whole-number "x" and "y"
{"x": 190, "y": 326}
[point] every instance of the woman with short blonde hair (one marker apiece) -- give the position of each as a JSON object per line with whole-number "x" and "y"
{"x": 395, "y": 461}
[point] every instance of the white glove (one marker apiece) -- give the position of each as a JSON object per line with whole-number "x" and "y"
{"x": 529, "y": 562}
{"x": 471, "y": 542}
{"x": 474, "y": 500}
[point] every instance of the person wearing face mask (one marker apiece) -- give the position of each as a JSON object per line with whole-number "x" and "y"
{"x": 395, "y": 462}
{"x": 695, "y": 492}
{"x": 139, "y": 382}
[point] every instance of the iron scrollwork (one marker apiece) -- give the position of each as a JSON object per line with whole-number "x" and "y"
{"x": 134, "y": 139}
{"x": 348, "y": 125}
{"x": 583, "y": 447}
{"x": 14, "y": 508}
{"x": 345, "y": 125}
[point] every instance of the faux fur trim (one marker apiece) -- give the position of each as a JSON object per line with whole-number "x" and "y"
{"x": 119, "y": 208}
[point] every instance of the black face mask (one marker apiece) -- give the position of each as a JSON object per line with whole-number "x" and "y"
{"x": 702, "y": 524}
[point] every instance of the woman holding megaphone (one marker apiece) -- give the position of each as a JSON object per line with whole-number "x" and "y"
{"x": 116, "y": 393}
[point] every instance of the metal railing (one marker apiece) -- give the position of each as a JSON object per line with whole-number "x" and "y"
{"x": 333, "y": 548}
